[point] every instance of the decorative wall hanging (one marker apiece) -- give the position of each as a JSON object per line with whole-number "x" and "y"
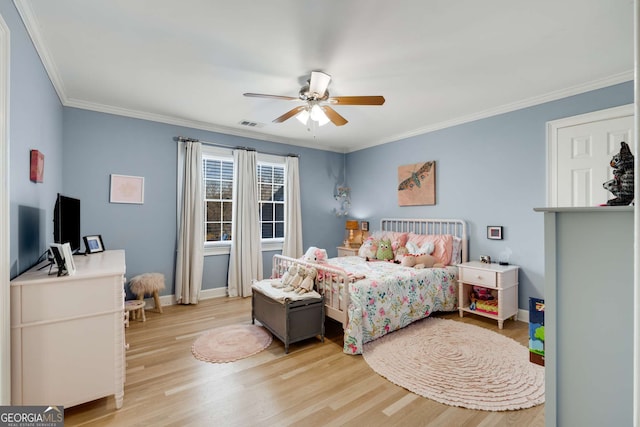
{"x": 417, "y": 184}
{"x": 343, "y": 196}
{"x": 127, "y": 189}
{"x": 36, "y": 170}
{"x": 494, "y": 232}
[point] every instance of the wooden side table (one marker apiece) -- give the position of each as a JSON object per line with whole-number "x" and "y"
{"x": 502, "y": 278}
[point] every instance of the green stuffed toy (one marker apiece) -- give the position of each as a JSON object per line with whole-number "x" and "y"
{"x": 384, "y": 250}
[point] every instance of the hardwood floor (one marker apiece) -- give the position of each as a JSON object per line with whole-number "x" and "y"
{"x": 316, "y": 384}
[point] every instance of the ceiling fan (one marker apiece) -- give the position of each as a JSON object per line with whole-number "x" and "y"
{"x": 317, "y": 105}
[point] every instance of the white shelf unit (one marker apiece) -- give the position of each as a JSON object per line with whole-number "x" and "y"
{"x": 502, "y": 278}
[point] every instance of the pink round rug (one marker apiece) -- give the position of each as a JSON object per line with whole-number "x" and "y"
{"x": 458, "y": 364}
{"x": 229, "y": 343}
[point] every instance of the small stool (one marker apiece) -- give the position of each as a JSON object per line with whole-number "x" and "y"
{"x": 133, "y": 309}
{"x": 148, "y": 283}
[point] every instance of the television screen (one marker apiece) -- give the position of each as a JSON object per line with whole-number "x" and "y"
{"x": 66, "y": 222}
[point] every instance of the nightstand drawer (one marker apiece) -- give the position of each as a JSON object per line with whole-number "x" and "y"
{"x": 479, "y": 277}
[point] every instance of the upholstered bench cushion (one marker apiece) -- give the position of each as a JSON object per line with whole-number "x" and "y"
{"x": 277, "y": 294}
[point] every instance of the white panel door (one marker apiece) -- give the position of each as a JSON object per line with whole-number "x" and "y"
{"x": 580, "y": 152}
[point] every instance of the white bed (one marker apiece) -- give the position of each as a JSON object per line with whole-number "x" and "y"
{"x": 389, "y": 296}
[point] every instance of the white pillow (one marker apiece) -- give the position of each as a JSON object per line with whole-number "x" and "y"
{"x": 426, "y": 249}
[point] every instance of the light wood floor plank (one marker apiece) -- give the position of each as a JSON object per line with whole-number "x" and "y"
{"x": 314, "y": 385}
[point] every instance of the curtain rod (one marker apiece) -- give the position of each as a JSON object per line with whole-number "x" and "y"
{"x": 216, "y": 144}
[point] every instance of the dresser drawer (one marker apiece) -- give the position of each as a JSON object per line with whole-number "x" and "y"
{"x": 479, "y": 277}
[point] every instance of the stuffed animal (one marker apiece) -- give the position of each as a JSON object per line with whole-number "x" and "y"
{"x": 384, "y": 250}
{"x": 420, "y": 261}
{"x": 308, "y": 282}
{"x": 314, "y": 254}
{"x": 621, "y": 186}
{"x": 288, "y": 276}
{"x": 297, "y": 279}
{"x": 400, "y": 253}
{"x": 368, "y": 249}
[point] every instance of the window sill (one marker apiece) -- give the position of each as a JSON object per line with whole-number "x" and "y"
{"x": 226, "y": 249}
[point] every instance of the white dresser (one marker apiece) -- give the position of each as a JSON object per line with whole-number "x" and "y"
{"x": 67, "y": 333}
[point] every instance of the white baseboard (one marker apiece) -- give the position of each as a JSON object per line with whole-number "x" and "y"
{"x": 523, "y": 316}
{"x": 171, "y": 299}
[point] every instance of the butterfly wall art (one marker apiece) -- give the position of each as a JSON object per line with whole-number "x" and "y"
{"x": 417, "y": 184}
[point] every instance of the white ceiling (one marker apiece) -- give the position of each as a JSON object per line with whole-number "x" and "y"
{"x": 437, "y": 62}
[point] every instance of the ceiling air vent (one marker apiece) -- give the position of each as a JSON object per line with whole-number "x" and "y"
{"x": 251, "y": 124}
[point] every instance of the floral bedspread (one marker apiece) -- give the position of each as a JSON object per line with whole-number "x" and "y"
{"x": 391, "y": 297}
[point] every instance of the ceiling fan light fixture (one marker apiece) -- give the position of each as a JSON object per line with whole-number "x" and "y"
{"x": 303, "y": 117}
{"x": 317, "y": 115}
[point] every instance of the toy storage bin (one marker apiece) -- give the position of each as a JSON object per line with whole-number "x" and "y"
{"x": 289, "y": 320}
{"x": 536, "y": 331}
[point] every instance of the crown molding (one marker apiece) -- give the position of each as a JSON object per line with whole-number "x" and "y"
{"x": 30, "y": 22}
{"x": 507, "y": 108}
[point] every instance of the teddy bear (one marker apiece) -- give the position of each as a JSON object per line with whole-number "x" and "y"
{"x": 621, "y": 186}
{"x": 384, "y": 250}
{"x": 420, "y": 261}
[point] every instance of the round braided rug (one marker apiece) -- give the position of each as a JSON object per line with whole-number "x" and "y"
{"x": 458, "y": 364}
{"x": 229, "y": 343}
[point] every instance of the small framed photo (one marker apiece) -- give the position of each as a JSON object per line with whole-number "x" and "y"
{"x": 63, "y": 258}
{"x": 364, "y": 225}
{"x": 93, "y": 244}
{"x": 494, "y": 232}
{"x": 127, "y": 189}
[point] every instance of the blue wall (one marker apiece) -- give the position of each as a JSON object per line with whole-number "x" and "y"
{"x": 35, "y": 122}
{"x": 488, "y": 172}
{"x": 97, "y": 145}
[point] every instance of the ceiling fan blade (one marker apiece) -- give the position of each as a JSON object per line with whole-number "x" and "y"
{"x": 357, "y": 100}
{"x": 261, "y": 95}
{"x": 319, "y": 83}
{"x": 289, "y": 114}
{"x": 333, "y": 115}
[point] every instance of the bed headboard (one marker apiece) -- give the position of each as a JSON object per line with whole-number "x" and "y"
{"x": 455, "y": 227}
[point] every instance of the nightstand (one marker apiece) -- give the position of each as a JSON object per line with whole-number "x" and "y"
{"x": 503, "y": 279}
{"x": 345, "y": 251}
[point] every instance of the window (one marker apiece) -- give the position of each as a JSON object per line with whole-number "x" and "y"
{"x": 218, "y": 187}
{"x": 217, "y": 173}
{"x": 271, "y": 200}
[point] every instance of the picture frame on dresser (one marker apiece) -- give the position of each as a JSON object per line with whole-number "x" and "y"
{"x": 63, "y": 258}
{"x": 93, "y": 244}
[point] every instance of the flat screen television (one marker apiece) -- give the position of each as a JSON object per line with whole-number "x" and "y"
{"x": 66, "y": 222}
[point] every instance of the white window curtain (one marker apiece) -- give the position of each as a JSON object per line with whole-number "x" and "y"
{"x": 245, "y": 259}
{"x": 292, "y": 246}
{"x": 190, "y": 254}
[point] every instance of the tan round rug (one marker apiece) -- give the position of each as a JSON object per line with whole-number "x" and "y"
{"x": 232, "y": 342}
{"x": 458, "y": 364}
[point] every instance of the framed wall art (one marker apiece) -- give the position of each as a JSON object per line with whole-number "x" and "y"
{"x": 494, "y": 232}
{"x": 417, "y": 184}
{"x": 36, "y": 166}
{"x": 127, "y": 189}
